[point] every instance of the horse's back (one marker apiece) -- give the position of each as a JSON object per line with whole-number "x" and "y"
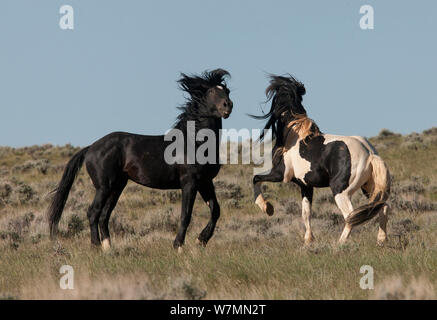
{"x": 140, "y": 158}
{"x": 357, "y": 145}
{"x": 366, "y": 143}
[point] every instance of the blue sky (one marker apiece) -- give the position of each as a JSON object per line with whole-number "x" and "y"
{"x": 117, "y": 69}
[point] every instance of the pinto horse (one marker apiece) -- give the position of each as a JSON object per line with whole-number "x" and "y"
{"x": 311, "y": 159}
{"x": 119, "y": 157}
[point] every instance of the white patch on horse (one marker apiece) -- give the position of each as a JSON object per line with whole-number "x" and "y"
{"x": 265, "y": 206}
{"x": 260, "y": 201}
{"x": 220, "y": 87}
{"x": 295, "y": 166}
{"x": 288, "y": 172}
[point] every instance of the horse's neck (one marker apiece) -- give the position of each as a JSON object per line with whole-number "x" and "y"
{"x": 216, "y": 126}
{"x": 290, "y": 138}
{"x": 213, "y": 124}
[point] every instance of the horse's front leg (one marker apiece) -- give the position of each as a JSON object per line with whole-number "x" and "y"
{"x": 189, "y": 192}
{"x": 275, "y": 175}
{"x": 207, "y": 192}
{"x": 307, "y": 199}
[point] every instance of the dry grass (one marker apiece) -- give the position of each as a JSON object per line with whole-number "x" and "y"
{"x": 251, "y": 256}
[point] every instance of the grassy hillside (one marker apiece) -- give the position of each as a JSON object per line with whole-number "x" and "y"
{"x": 251, "y": 255}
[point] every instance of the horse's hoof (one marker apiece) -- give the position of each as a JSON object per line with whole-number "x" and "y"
{"x": 380, "y": 243}
{"x": 269, "y": 209}
{"x": 180, "y": 250}
{"x": 201, "y": 243}
{"x": 308, "y": 241}
{"x": 341, "y": 241}
{"x": 96, "y": 246}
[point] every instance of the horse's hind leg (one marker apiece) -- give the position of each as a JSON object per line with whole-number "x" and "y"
{"x": 106, "y": 213}
{"x": 383, "y": 218}
{"x": 94, "y": 212}
{"x": 345, "y": 205}
{"x": 383, "y": 215}
{"x": 208, "y": 194}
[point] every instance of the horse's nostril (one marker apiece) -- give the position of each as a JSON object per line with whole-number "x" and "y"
{"x": 228, "y": 103}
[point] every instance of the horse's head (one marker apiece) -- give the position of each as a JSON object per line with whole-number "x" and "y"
{"x": 208, "y": 93}
{"x": 286, "y": 93}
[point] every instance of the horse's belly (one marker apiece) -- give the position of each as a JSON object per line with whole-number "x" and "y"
{"x": 159, "y": 176}
{"x": 158, "y": 183}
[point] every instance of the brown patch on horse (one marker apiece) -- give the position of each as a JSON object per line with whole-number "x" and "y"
{"x": 304, "y": 127}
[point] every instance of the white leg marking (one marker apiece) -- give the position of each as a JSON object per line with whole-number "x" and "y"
{"x": 260, "y": 201}
{"x": 295, "y": 165}
{"x": 306, "y": 216}
{"x": 265, "y": 206}
{"x": 383, "y": 217}
{"x": 106, "y": 244}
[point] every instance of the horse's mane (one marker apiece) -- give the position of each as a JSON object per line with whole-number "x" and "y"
{"x": 196, "y": 86}
{"x": 286, "y": 93}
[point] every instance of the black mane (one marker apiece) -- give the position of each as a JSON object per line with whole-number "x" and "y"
{"x": 286, "y": 93}
{"x": 196, "y": 86}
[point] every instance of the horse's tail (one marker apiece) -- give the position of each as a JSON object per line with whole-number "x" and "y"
{"x": 380, "y": 183}
{"x": 61, "y": 192}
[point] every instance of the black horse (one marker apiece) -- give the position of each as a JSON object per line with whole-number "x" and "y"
{"x": 120, "y": 156}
